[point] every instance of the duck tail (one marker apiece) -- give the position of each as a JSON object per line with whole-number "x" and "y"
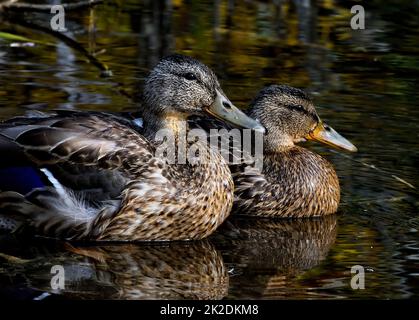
{"x": 52, "y": 213}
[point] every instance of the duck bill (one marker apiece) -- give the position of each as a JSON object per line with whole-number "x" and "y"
{"x": 224, "y": 110}
{"x": 327, "y": 135}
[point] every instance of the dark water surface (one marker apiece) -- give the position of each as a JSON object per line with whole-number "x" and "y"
{"x": 364, "y": 83}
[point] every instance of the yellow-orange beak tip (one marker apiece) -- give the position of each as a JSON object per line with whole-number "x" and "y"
{"x": 327, "y": 135}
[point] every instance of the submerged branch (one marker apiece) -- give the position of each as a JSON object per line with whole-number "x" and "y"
{"x": 369, "y": 201}
{"x": 105, "y": 71}
{"x": 411, "y": 186}
{"x": 13, "y": 259}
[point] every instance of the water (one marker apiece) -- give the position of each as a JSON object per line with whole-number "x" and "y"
{"x": 364, "y": 84}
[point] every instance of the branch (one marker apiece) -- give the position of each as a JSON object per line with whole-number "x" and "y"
{"x": 105, "y": 72}
{"x": 371, "y": 166}
{"x": 13, "y": 5}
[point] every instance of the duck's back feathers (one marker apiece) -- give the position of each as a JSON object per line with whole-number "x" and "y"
{"x": 87, "y": 158}
{"x": 74, "y": 137}
{"x": 83, "y": 151}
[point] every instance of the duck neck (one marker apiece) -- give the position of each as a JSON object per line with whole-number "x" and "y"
{"x": 277, "y": 145}
{"x": 204, "y": 186}
{"x": 173, "y": 124}
{"x": 170, "y": 135}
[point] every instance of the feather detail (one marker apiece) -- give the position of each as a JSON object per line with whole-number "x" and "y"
{"x": 140, "y": 196}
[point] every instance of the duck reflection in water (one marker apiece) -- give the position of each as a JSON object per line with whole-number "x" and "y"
{"x": 245, "y": 258}
{"x": 264, "y": 256}
{"x": 128, "y": 271}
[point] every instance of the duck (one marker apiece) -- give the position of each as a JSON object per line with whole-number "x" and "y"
{"x": 96, "y": 178}
{"x": 293, "y": 181}
{"x": 113, "y": 271}
{"x": 270, "y": 254}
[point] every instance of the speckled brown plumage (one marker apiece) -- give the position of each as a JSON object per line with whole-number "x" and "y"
{"x": 110, "y": 184}
{"x": 294, "y": 181}
{"x": 178, "y": 270}
{"x": 266, "y": 256}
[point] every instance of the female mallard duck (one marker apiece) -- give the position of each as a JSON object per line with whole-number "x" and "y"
{"x": 294, "y": 182}
{"x": 179, "y": 270}
{"x": 107, "y": 182}
{"x": 277, "y": 249}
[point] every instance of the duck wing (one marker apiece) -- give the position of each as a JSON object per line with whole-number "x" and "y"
{"x": 93, "y": 153}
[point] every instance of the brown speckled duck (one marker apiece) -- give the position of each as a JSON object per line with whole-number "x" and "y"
{"x": 294, "y": 181}
{"x": 103, "y": 180}
{"x": 270, "y": 254}
{"x": 175, "y": 270}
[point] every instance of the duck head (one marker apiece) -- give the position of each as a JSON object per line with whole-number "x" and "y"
{"x": 289, "y": 116}
{"x": 180, "y": 86}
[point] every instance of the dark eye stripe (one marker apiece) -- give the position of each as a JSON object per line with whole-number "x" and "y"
{"x": 301, "y": 109}
{"x": 187, "y": 76}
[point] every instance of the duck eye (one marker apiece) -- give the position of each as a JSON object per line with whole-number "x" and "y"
{"x": 299, "y": 107}
{"x": 189, "y": 76}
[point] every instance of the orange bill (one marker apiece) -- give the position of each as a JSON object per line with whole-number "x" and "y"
{"x": 327, "y": 135}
